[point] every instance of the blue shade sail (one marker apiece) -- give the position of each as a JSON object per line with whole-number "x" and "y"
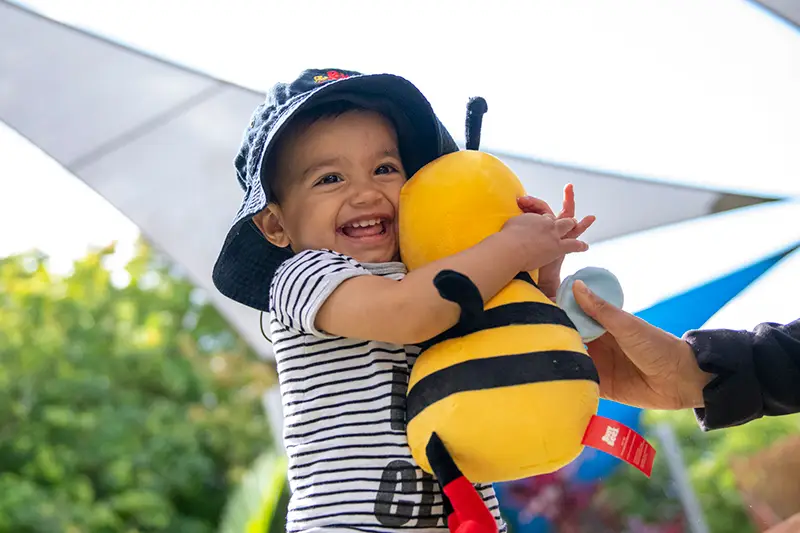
{"x": 693, "y": 308}
{"x": 657, "y": 265}
{"x": 773, "y": 297}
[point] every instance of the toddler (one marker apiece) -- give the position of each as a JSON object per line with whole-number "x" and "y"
{"x": 315, "y": 245}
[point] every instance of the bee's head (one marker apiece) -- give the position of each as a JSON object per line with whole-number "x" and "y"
{"x": 456, "y": 201}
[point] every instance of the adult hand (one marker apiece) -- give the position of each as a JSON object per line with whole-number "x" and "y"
{"x": 640, "y": 364}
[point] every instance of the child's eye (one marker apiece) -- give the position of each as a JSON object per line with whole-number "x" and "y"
{"x": 385, "y": 169}
{"x": 329, "y": 179}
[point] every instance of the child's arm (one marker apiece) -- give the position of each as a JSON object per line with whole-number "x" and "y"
{"x": 411, "y": 310}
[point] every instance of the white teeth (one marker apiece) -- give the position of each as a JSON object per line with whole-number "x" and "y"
{"x": 365, "y": 223}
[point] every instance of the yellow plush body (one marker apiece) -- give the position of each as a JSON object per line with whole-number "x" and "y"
{"x": 493, "y": 433}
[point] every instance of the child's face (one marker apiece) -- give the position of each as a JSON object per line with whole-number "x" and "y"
{"x": 338, "y": 185}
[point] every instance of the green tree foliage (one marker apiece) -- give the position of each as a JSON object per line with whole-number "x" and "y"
{"x": 707, "y": 456}
{"x": 260, "y": 503}
{"x": 123, "y": 407}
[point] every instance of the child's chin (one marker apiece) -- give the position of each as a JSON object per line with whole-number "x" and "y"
{"x": 375, "y": 256}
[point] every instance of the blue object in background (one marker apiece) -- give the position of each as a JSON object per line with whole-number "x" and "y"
{"x": 538, "y": 524}
{"x": 693, "y": 308}
{"x": 676, "y": 315}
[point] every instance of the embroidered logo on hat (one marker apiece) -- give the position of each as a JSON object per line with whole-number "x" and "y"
{"x": 330, "y": 76}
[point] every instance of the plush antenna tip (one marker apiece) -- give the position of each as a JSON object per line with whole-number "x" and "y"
{"x": 476, "y": 107}
{"x": 477, "y": 104}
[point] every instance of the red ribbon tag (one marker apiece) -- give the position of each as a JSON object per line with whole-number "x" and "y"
{"x": 620, "y": 441}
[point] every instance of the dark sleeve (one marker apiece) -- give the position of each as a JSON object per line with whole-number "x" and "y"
{"x": 756, "y": 373}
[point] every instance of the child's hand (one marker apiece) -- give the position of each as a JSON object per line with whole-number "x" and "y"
{"x": 550, "y": 274}
{"x": 541, "y": 239}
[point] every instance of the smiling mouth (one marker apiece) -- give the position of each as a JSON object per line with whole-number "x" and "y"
{"x": 365, "y": 228}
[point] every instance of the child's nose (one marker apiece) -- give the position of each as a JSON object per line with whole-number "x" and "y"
{"x": 366, "y": 194}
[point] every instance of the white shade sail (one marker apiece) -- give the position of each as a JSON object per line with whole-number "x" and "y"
{"x": 685, "y": 92}
{"x": 659, "y": 264}
{"x": 789, "y": 10}
{"x": 157, "y": 141}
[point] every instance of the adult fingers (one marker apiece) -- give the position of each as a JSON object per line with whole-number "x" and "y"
{"x": 643, "y": 344}
{"x": 622, "y": 325}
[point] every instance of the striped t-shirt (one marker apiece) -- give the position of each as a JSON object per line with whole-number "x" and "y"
{"x": 350, "y": 468}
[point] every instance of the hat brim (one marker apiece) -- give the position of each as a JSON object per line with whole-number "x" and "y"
{"x": 247, "y": 262}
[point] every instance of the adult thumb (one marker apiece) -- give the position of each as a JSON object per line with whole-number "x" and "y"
{"x": 643, "y": 344}
{"x": 613, "y": 319}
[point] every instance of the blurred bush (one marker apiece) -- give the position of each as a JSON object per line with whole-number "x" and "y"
{"x": 124, "y": 407}
{"x": 260, "y": 503}
{"x": 708, "y": 459}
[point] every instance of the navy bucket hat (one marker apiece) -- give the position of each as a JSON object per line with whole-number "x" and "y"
{"x": 248, "y": 261}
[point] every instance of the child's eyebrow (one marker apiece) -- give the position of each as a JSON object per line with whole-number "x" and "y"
{"x": 317, "y": 165}
{"x": 389, "y": 152}
{"x": 337, "y": 161}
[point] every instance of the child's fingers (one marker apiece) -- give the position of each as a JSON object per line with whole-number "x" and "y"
{"x": 581, "y": 226}
{"x": 568, "y": 207}
{"x": 530, "y": 204}
{"x": 569, "y": 246}
{"x": 565, "y": 225}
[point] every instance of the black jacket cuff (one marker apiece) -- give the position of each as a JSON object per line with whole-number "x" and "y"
{"x": 733, "y": 397}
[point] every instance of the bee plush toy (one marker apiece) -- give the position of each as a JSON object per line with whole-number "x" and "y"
{"x": 509, "y": 391}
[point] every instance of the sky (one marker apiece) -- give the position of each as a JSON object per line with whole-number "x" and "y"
{"x": 691, "y": 92}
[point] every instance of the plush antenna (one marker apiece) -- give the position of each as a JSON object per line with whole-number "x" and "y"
{"x": 475, "y": 110}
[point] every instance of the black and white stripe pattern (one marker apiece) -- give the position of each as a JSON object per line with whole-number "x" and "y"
{"x": 350, "y": 468}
